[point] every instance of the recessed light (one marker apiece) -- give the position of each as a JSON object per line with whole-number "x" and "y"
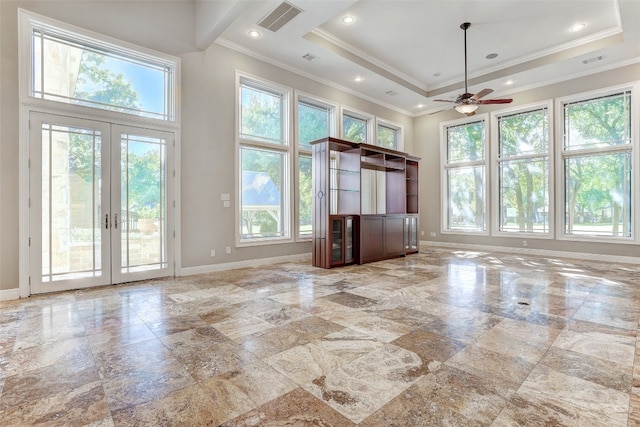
{"x": 348, "y": 20}
{"x": 358, "y": 79}
{"x": 491, "y": 56}
{"x": 509, "y": 82}
{"x": 578, "y": 27}
{"x": 254, "y": 34}
{"x": 420, "y": 105}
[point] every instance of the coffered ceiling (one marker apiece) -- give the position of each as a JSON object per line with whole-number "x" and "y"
{"x": 404, "y": 54}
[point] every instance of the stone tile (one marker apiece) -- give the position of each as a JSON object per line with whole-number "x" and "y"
{"x": 429, "y": 346}
{"x": 191, "y": 405}
{"x": 238, "y": 327}
{"x": 362, "y": 386}
{"x": 130, "y": 358}
{"x": 592, "y": 400}
{"x": 615, "y": 348}
{"x": 146, "y": 383}
{"x": 76, "y": 406}
{"x": 350, "y": 300}
{"x": 603, "y": 372}
{"x": 297, "y": 408}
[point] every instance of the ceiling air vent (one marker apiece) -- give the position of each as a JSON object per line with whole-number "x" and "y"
{"x": 279, "y": 16}
{"x": 594, "y": 59}
{"x": 310, "y": 57}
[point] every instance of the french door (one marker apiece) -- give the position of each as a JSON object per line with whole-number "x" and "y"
{"x": 101, "y": 207}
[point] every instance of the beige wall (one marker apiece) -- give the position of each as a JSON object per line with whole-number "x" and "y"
{"x": 427, "y": 146}
{"x": 208, "y": 120}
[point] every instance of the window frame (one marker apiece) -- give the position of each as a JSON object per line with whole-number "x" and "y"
{"x": 561, "y": 154}
{"x": 495, "y": 169}
{"x": 285, "y": 148}
{"x": 369, "y": 120}
{"x": 445, "y": 166}
{"x": 28, "y": 21}
{"x": 300, "y": 151}
{"x": 393, "y": 126}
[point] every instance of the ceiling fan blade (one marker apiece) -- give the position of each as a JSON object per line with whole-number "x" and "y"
{"x": 444, "y": 100}
{"x": 495, "y": 101}
{"x": 483, "y": 92}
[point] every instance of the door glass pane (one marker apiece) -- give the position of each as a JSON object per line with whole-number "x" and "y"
{"x": 305, "y": 197}
{"x": 348, "y": 238}
{"x": 71, "y": 187}
{"x": 336, "y": 240}
{"x": 144, "y": 203}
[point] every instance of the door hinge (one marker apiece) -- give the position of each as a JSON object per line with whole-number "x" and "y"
{"x": 29, "y": 202}
{"x": 29, "y": 280}
{"x": 174, "y": 203}
{"x": 28, "y": 163}
{"x": 174, "y": 234}
{"x": 29, "y": 241}
{"x": 174, "y": 173}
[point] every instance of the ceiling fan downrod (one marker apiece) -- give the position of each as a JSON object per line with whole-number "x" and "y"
{"x": 465, "y": 26}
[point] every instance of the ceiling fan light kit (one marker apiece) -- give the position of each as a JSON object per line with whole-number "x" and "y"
{"x": 467, "y": 103}
{"x": 466, "y": 108}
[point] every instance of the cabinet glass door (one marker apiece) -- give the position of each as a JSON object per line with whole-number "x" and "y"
{"x": 336, "y": 240}
{"x": 348, "y": 239}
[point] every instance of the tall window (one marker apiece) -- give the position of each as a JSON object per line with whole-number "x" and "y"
{"x": 523, "y": 172}
{"x": 388, "y": 136}
{"x": 77, "y": 69}
{"x": 315, "y": 121}
{"x": 264, "y": 161}
{"x": 465, "y": 177}
{"x": 598, "y": 158}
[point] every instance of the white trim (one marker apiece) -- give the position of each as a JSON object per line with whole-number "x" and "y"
{"x": 495, "y": 169}
{"x": 9, "y": 294}
{"x": 391, "y": 125}
{"x": 28, "y": 20}
{"x": 286, "y": 149}
{"x": 560, "y": 154}
{"x": 332, "y": 107}
{"x": 445, "y": 166}
{"x": 539, "y": 252}
{"x": 212, "y": 268}
{"x": 369, "y": 119}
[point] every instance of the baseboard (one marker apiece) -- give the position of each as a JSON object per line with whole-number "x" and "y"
{"x": 538, "y": 252}
{"x": 189, "y": 271}
{"x": 9, "y": 294}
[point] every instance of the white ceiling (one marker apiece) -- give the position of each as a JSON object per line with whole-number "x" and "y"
{"x": 411, "y": 52}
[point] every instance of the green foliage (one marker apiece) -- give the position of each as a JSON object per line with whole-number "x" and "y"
{"x": 354, "y": 129}
{"x": 261, "y": 115}
{"x": 387, "y": 137}
{"x": 313, "y": 123}
{"x": 95, "y": 83}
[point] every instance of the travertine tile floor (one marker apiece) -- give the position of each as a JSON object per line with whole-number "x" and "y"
{"x": 438, "y": 338}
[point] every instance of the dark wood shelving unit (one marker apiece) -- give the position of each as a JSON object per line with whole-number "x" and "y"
{"x": 342, "y": 233}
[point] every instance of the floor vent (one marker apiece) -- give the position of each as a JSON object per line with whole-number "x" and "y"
{"x": 279, "y": 16}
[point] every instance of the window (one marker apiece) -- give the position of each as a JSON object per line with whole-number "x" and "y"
{"x": 316, "y": 120}
{"x": 264, "y": 154}
{"x": 523, "y": 171}
{"x": 464, "y": 179}
{"x": 355, "y": 126}
{"x": 72, "y": 68}
{"x": 388, "y": 136}
{"x": 597, "y": 162}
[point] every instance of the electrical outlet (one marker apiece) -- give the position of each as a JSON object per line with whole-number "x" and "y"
{"x": 432, "y": 234}
{"x": 524, "y": 243}
{"x": 228, "y": 249}
{"x": 213, "y": 252}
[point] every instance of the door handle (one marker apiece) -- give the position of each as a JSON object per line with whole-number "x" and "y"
{"x": 115, "y": 221}
{"x": 106, "y": 221}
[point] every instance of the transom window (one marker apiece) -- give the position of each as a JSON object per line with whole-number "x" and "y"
{"x": 355, "y": 126}
{"x": 388, "y": 136}
{"x": 76, "y": 69}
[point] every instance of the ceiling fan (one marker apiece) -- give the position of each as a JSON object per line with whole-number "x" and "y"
{"x": 467, "y": 103}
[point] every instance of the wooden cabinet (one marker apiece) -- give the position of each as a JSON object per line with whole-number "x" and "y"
{"x": 363, "y": 195}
